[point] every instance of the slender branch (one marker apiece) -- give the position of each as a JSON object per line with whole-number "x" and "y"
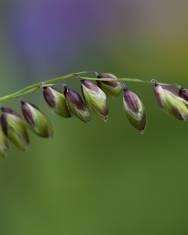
{"x": 135, "y": 80}
{"x": 33, "y": 87}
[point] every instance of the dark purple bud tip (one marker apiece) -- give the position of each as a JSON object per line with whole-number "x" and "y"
{"x": 37, "y": 120}
{"x": 76, "y": 104}
{"x": 106, "y": 75}
{"x": 131, "y": 99}
{"x": 125, "y": 88}
{"x": 113, "y": 82}
{"x": 48, "y": 96}
{"x": 4, "y": 124}
{"x": 134, "y": 109}
{"x": 66, "y": 90}
{"x": 14, "y": 128}
{"x": 170, "y": 89}
{"x": 90, "y": 85}
{"x": 9, "y": 111}
{"x": 27, "y": 112}
{"x": 183, "y": 93}
{"x": 75, "y": 98}
{"x": 154, "y": 82}
{"x": 23, "y": 102}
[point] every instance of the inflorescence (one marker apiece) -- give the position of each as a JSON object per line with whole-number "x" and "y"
{"x": 67, "y": 103}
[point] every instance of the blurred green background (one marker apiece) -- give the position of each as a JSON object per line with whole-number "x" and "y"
{"x": 99, "y": 178}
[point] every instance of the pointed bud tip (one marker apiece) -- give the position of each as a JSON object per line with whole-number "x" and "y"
{"x": 134, "y": 109}
{"x": 22, "y": 102}
{"x": 172, "y": 102}
{"x": 111, "y": 85}
{"x": 6, "y": 109}
{"x": 125, "y": 88}
{"x": 183, "y": 93}
{"x": 45, "y": 87}
{"x": 154, "y": 82}
{"x": 95, "y": 98}
{"x": 14, "y": 129}
{"x": 106, "y": 75}
{"x": 37, "y": 120}
{"x": 66, "y": 90}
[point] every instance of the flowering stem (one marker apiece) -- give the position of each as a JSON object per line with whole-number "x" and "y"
{"x": 33, "y": 87}
{"x": 135, "y": 80}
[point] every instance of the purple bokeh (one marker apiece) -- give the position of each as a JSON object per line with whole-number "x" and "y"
{"x": 45, "y": 31}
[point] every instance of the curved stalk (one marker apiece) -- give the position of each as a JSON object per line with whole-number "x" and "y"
{"x": 33, "y": 87}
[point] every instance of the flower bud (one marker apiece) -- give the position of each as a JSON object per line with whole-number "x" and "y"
{"x": 171, "y": 102}
{"x": 14, "y": 128}
{"x": 134, "y": 109}
{"x": 37, "y": 121}
{"x": 183, "y": 93}
{"x": 4, "y": 145}
{"x": 95, "y": 98}
{"x": 112, "y": 87}
{"x": 56, "y": 100}
{"x": 76, "y": 105}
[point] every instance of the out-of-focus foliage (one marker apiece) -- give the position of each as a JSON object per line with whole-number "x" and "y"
{"x": 99, "y": 178}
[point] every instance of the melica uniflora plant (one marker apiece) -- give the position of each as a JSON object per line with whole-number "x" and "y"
{"x": 93, "y": 99}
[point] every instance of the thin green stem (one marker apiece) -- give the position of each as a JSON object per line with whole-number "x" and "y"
{"x": 135, "y": 80}
{"x": 33, "y": 87}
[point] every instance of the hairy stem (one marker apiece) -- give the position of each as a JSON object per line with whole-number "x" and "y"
{"x": 79, "y": 75}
